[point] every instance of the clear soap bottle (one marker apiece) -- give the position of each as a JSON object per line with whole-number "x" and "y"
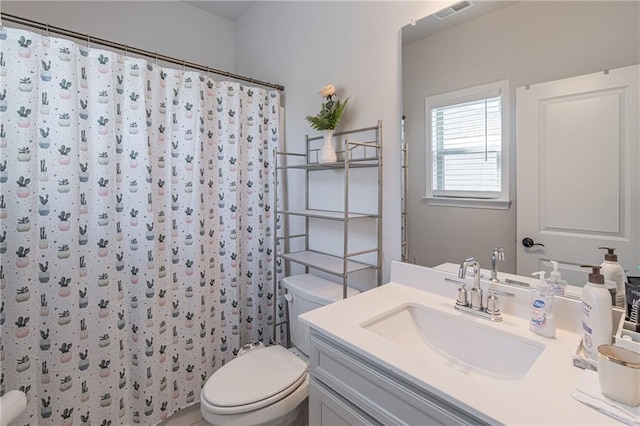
{"x": 557, "y": 286}
{"x": 542, "y": 319}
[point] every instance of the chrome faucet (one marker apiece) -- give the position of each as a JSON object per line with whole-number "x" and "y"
{"x": 476, "y": 291}
{"x": 497, "y": 254}
{"x": 475, "y": 307}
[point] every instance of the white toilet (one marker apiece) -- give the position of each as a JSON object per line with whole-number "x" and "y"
{"x": 269, "y": 385}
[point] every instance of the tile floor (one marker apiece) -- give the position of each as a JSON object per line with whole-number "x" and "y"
{"x": 191, "y": 417}
{"x": 188, "y": 417}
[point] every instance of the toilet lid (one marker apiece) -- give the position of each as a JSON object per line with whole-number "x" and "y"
{"x": 257, "y": 375}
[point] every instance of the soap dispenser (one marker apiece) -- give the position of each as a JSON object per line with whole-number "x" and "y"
{"x": 613, "y": 271}
{"x": 557, "y": 286}
{"x": 542, "y": 319}
{"x": 597, "y": 318}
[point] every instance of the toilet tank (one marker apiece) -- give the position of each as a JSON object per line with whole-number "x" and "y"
{"x": 307, "y": 292}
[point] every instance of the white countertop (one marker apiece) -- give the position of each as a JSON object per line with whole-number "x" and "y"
{"x": 541, "y": 397}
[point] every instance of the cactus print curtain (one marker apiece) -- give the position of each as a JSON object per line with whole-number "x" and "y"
{"x": 137, "y": 254}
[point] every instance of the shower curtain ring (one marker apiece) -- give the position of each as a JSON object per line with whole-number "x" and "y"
{"x": 88, "y": 41}
{"x": 47, "y": 28}
{"x": 156, "y": 58}
{"x": 126, "y": 50}
{"x": 184, "y": 65}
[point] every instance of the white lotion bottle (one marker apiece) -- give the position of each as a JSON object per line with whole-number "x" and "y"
{"x": 597, "y": 318}
{"x": 613, "y": 271}
{"x": 542, "y": 320}
{"x": 557, "y": 286}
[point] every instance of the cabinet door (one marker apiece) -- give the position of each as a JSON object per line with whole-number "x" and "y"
{"x": 327, "y": 408}
{"x": 383, "y": 397}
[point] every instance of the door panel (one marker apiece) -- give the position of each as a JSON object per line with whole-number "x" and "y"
{"x": 578, "y": 171}
{"x": 571, "y": 125}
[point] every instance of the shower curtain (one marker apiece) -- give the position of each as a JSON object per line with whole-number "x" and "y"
{"x": 136, "y": 230}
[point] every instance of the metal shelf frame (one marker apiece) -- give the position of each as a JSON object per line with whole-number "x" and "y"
{"x": 356, "y": 154}
{"x": 326, "y": 214}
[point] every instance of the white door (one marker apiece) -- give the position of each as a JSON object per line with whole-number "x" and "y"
{"x": 579, "y": 172}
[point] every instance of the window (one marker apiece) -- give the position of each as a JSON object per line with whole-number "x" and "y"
{"x": 467, "y": 147}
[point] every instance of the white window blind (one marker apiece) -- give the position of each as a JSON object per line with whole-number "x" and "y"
{"x": 466, "y": 143}
{"x": 466, "y": 149}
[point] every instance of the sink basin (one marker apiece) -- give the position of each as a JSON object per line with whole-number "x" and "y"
{"x": 465, "y": 342}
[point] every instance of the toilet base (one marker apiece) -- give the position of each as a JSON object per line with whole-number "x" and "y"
{"x": 298, "y": 417}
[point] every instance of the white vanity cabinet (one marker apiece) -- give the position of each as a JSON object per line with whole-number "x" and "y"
{"x": 348, "y": 389}
{"x": 374, "y": 359}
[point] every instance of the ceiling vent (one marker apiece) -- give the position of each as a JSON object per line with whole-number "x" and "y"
{"x": 454, "y": 8}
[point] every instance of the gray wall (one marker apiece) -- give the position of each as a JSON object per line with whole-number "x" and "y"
{"x": 355, "y": 46}
{"x": 171, "y": 28}
{"x": 528, "y": 42}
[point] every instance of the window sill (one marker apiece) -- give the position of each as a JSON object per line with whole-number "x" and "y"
{"x": 475, "y": 203}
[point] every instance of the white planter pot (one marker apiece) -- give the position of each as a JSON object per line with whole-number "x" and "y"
{"x": 327, "y": 152}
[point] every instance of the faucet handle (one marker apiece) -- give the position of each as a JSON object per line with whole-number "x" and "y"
{"x": 462, "y": 296}
{"x": 492, "y": 304}
{"x": 462, "y": 299}
{"x": 493, "y": 307}
{"x": 498, "y": 252}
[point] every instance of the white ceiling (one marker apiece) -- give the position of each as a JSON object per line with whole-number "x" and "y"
{"x": 233, "y": 9}
{"x": 430, "y": 25}
{"x": 230, "y": 10}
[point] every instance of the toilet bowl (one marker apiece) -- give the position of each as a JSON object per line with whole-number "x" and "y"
{"x": 268, "y": 386}
{"x": 264, "y": 386}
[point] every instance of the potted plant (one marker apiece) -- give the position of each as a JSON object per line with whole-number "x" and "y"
{"x": 83, "y": 364}
{"x": 65, "y": 355}
{"x": 84, "y": 113}
{"x": 64, "y": 318}
{"x": 25, "y": 85}
{"x": 63, "y": 186}
{"x": 64, "y": 54}
{"x": 105, "y": 340}
{"x": 22, "y": 261}
{"x": 24, "y": 121}
{"x": 104, "y": 368}
{"x": 64, "y": 89}
{"x": 327, "y": 120}
{"x": 21, "y": 327}
{"x": 102, "y": 122}
{"x": 24, "y": 363}
{"x": 45, "y": 343}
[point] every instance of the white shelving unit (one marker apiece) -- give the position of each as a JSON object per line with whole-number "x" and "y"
{"x": 361, "y": 150}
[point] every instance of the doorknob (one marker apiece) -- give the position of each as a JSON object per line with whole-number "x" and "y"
{"x": 528, "y": 243}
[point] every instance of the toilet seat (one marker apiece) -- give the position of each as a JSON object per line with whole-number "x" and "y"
{"x": 279, "y": 413}
{"x": 259, "y": 378}
{"x": 216, "y": 409}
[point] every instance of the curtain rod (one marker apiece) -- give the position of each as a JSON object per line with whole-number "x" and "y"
{"x": 128, "y": 49}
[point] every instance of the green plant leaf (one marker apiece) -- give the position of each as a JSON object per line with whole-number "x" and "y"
{"x": 329, "y": 117}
